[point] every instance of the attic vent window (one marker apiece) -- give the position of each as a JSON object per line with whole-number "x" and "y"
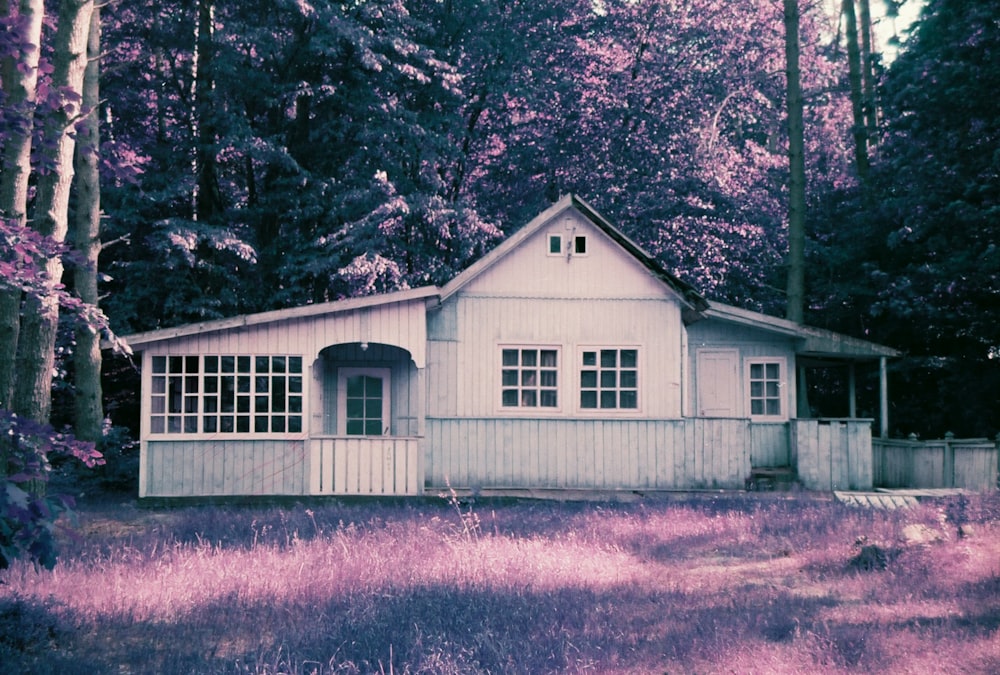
{"x": 555, "y": 244}
{"x": 568, "y": 245}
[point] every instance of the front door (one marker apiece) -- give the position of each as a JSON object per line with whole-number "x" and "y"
{"x": 363, "y": 394}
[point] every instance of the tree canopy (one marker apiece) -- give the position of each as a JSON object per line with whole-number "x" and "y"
{"x": 259, "y": 155}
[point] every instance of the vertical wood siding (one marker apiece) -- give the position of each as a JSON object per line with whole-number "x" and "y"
{"x": 230, "y": 467}
{"x": 770, "y": 445}
{"x": 602, "y": 454}
{"x": 464, "y": 372}
{"x": 833, "y": 454}
{"x": 365, "y": 466}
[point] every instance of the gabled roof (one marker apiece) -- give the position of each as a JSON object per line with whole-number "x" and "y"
{"x": 688, "y": 294}
{"x": 810, "y": 341}
{"x": 319, "y": 309}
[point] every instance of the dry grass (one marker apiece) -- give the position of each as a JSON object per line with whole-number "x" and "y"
{"x": 727, "y": 584}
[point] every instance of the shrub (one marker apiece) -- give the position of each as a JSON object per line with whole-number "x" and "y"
{"x": 27, "y": 513}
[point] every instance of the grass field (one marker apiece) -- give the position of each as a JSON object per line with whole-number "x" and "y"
{"x": 729, "y": 584}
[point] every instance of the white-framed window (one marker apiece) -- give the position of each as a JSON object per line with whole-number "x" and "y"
{"x": 529, "y": 377}
{"x": 609, "y": 378}
{"x": 226, "y": 394}
{"x": 766, "y": 390}
{"x": 567, "y": 244}
{"x": 364, "y": 401}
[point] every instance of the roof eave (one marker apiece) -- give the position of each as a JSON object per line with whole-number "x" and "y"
{"x": 303, "y": 312}
{"x": 810, "y": 341}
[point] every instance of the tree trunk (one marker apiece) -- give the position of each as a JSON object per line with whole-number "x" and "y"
{"x": 208, "y": 198}
{"x": 36, "y": 346}
{"x": 795, "y": 298}
{"x": 87, "y": 241}
{"x": 868, "y": 73}
{"x": 859, "y": 130}
{"x": 19, "y": 73}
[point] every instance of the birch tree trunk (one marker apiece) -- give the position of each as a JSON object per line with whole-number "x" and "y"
{"x": 39, "y": 324}
{"x": 795, "y": 298}
{"x": 87, "y": 241}
{"x": 19, "y": 73}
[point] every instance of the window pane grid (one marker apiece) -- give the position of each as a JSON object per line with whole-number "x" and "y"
{"x": 609, "y": 379}
{"x": 765, "y": 389}
{"x": 226, "y": 394}
{"x": 529, "y": 378}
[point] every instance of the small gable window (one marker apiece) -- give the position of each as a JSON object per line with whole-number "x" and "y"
{"x": 570, "y": 244}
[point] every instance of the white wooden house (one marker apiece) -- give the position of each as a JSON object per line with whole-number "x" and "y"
{"x": 565, "y": 358}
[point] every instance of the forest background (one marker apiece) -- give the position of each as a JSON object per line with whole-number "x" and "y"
{"x": 272, "y": 153}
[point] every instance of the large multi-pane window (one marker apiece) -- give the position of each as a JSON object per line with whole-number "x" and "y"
{"x": 765, "y": 381}
{"x": 226, "y": 394}
{"x": 529, "y": 377}
{"x": 609, "y": 379}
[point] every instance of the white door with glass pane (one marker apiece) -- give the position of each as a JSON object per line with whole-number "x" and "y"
{"x": 363, "y": 402}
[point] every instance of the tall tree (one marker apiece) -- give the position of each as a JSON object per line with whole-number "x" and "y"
{"x": 36, "y": 345}
{"x": 859, "y": 130}
{"x": 88, "y": 397}
{"x": 796, "y": 166}
{"x": 19, "y": 75}
{"x": 924, "y": 252}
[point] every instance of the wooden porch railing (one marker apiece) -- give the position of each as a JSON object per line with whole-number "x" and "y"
{"x": 365, "y": 465}
{"x": 970, "y": 463}
{"x": 833, "y": 454}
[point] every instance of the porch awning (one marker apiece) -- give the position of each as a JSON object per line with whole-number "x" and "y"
{"x": 809, "y": 340}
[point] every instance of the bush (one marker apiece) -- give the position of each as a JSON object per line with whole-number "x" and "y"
{"x": 28, "y": 514}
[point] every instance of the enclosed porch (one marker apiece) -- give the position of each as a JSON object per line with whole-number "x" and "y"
{"x": 368, "y": 440}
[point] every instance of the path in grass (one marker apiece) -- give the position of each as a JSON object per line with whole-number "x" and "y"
{"x": 722, "y": 584}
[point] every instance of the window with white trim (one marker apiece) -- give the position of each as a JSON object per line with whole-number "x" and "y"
{"x": 529, "y": 377}
{"x": 226, "y": 394}
{"x": 575, "y": 244}
{"x": 765, "y": 381}
{"x": 609, "y": 379}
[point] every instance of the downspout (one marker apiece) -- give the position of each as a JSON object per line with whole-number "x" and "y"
{"x": 883, "y": 387}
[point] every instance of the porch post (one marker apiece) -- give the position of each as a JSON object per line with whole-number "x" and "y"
{"x": 883, "y": 387}
{"x": 851, "y": 392}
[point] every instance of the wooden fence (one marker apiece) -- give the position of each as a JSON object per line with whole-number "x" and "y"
{"x": 950, "y": 462}
{"x": 833, "y": 454}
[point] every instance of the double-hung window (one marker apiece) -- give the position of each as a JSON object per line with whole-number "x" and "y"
{"x": 609, "y": 379}
{"x": 529, "y": 377}
{"x": 765, "y": 379}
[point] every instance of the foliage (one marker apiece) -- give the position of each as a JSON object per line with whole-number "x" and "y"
{"x": 27, "y": 514}
{"x": 703, "y": 584}
{"x": 915, "y": 259}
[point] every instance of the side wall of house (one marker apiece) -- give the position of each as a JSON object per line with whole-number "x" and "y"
{"x": 718, "y": 359}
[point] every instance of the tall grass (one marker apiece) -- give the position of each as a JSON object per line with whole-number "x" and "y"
{"x": 731, "y": 584}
